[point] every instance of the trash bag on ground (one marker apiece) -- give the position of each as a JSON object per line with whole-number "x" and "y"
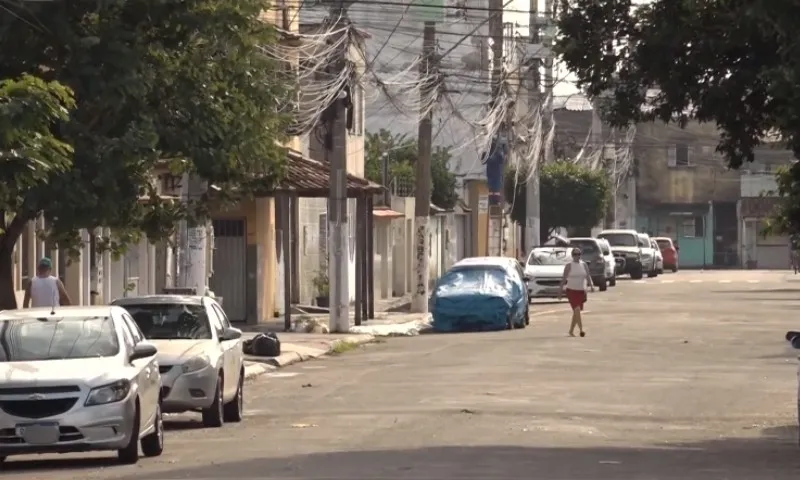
{"x": 263, "y": 345}
{"x": 472, "y": 299}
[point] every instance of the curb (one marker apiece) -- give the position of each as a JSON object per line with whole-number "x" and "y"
{"x": 254, "y": 369}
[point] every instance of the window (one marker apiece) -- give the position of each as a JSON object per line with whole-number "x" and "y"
{"x": 170, "y": 321}
{"x": 221, "y": 314}
{"x": 678, "y": 156}
{"x": 693, "y": 227}
{"x": 216, "y": 321}
{"x": 134, "y": 329}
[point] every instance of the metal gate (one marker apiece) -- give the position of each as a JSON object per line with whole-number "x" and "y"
{"x": 229, "y": 278}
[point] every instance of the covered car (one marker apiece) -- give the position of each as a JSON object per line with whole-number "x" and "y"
{"x": 480, "y": 294}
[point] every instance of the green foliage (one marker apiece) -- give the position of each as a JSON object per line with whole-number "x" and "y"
{"x": 29, "y": 153}
{"x": 571, "y": 196}
{"x": 732, "y": 63}
{"x": 181, "y": 83}
{"x": 402, "y": 156}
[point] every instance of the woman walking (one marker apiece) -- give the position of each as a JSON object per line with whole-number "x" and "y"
{"x": 574, "y": 282}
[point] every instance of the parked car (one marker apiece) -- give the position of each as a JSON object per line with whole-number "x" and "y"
{"x": 669, "y": 251}
{"x": 593, "y": 256}
{"x": 611, "y": 263}
{"x": 627, "y": 250}
{"x": 199, "y": 353}
{"x": 480, "y": 294}
{"x": 77, "y": 379}
{"x": 659, "y": 257}
{"x": 545, "y": 269}
{"x": 648, "y": 255}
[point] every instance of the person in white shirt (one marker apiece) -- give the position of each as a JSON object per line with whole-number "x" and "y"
{"x": 574, "y": 282}
{"x": 45, "y": 290}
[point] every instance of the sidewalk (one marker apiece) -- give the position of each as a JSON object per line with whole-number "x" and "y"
{"x": 299, "y": 347}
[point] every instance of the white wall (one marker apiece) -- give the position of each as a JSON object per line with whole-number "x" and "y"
{"x": 757, "y": 184}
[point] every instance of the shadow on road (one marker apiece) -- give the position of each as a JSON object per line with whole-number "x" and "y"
{"x": 774, "y": 455}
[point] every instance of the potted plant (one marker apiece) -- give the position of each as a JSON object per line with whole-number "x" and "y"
{"x": 322, "y": 287}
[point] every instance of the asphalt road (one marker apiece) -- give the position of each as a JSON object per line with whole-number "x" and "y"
{"x": 682, "y": 377}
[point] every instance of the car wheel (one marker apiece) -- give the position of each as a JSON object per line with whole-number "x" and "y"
{"x": 153, "y": 444}
{"x": 234, "y": 410}
{"x": 612, "y": 282}
{"x": 674, "y": 269}
{"x": 129, "y": 455}
{"x": 652, "y": 273}
{"x": 637, "y": 274}
{"x": 213, "y": 416}
{"x": 527, "y": 316}
{"x": 603, "y": 285}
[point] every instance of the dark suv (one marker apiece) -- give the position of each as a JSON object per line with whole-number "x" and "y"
{"x": 593, "y": 256}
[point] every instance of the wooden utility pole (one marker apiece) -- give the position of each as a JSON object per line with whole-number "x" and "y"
{"x": 494, "y": 239}
{"x": 422, "y": 194}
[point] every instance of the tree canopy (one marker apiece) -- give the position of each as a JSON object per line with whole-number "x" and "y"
{"x": 181, "y": 84}
{"x": 570, "y": 196}
{"x": 401, "y": 152}
{"x": 736, "y": 64}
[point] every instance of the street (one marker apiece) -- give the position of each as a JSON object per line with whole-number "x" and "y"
{"x": 685, "y": 376}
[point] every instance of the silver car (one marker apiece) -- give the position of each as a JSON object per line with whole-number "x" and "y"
{"x": 200, "y": 354}
{"x": 76, "y": 379}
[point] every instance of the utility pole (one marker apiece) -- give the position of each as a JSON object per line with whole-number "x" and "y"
{"x": 338, "y": 275}
{"x": 422, "y": 193}
{"x": 193, "y": 240}
{"x": 532, "y": 206}
{"x": 496, "y": 203}
{"x": 549, "y": 81}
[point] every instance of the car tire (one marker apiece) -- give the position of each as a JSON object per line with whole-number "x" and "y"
{"x": 129, "y": 455}
{"x": 153, "y": 444}
{"x": 652, "y": 273}
{"x": 674, "y": 269}
{"x": 603, "y": 285}
{"x": 234, "y": 410}
{"x": 527, "y": 316}
{"x": 637, "y": 274}
{"x": 612, "y": 282}
{"x": 213, "y": 416}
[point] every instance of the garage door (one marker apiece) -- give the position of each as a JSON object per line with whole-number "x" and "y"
{"x": 772, "y": 257}
{"x": 229, "y": 277}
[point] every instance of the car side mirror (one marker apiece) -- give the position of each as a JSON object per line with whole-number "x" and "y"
{"x": 677, "y": 248}
{"x": 230, "y": 334}
{"x": 143, "y": 350}
{"x": 527, "y": 278}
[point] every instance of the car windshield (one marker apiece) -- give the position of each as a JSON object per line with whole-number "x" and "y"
{"x": 549, "y": 257}
{"x": 588, "y": 247}
{"x": 57, "y": 338}
{"x": 663, "y": 244}
{"x": 620, "y": 239}
{"x": 171, "y": 321}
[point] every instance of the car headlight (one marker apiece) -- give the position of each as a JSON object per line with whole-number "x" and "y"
{"x": 196, "y": 363}
{"x": 110, "y": 393}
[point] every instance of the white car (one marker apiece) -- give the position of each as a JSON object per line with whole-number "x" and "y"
{"x": 627, "y": 249}
{"x": 659, "y": 257}
{"x": 545, "y": 269}
{"x": 608, "y": 258}
{"x": 77, "y": 379}
{"x": 199, "y": 353}
{"x": 649, "y": 255}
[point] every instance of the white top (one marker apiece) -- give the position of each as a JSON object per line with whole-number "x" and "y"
{"x": 576, "y": 278}
{"x": 44, "y": 292}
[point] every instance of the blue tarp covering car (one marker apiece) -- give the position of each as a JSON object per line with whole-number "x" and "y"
{"x": 480, "y": 297}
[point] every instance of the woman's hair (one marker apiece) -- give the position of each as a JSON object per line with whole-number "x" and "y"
{"x": 576, "y": 251}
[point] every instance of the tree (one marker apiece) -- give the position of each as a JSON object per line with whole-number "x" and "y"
{"x": 178, "y": 83}
{"x": 732, "y": 63}
{"x": 570, "y": 196}
{"x": 401, "y": 153}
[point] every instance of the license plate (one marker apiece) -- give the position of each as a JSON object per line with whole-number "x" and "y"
{"x": 39, "y": 433}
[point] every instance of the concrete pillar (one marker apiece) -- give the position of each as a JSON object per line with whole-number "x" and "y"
{"x": 383, "y": 249}
{"x": 266, "y": 259}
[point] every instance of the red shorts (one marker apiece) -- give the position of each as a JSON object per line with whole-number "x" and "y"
{"x": 576, "y": 298}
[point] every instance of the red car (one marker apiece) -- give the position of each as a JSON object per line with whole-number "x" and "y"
{"x": 669, "y": 251}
